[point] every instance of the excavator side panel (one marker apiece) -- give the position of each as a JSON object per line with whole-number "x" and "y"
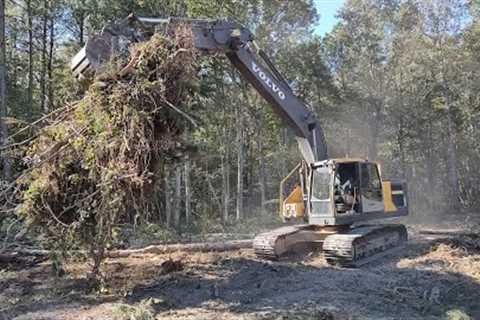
{"x": 387, "y": 197}
{"x": 395, "y": 196}
{"x": 293, "y": 206}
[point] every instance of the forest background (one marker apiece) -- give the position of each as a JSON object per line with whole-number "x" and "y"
{"x": 395, "y": 81}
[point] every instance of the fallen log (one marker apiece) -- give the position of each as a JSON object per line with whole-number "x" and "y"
{"x": 447, "y": 232}
{"x": 184, "y": 247}
{"x": 152, "y": 249}
{"x": 8, "y": 258}
{"x": 19, "y": 261}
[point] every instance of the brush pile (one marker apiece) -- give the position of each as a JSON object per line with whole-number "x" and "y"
{"x": 99, "y": 158}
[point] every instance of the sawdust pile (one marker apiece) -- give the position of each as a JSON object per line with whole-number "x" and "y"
{"x": 99, "y": 158}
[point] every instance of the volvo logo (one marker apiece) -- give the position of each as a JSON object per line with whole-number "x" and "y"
{"x": 275, "y": 88}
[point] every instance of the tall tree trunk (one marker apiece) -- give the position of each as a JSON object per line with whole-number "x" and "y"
{"x": 43, "y": 75}
{"x": 401, "y": 146}
{"x": 348, "y": 149}
{"x": 188, "y": 195}
{"x": 222, "y": 100}
{"x": 240, "y": 163}
{"x": 167, "y": 193}
{"x": 261, "y": 174}
{"x": 215, "y": 198}
{"x": 284, "y": 146}
{"x": 262, "y": 183}
{"x": 79, "y": 16}
{"x": 51, "y": 53}
{"x": 374, "y": 129}
{"x": 226, "y": 179}
{"x": 452, "y": 154}
{"x": 430, "y": 192}
{"x": 30, "y": 59}
{"x": 12, "y": 58}
{"x": 178, "y": 193}
{"x": 4, "y": 161}
{"x": 248, "y": 186}
{"x": 401, "y": 127}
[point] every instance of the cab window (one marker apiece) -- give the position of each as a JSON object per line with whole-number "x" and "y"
{"x": 321, "y": 184}
{"x": 370, "y": 178}
{"x": 371, "y": 185}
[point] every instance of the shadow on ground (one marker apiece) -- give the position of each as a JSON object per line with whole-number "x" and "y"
{"x": 244, "y": 285}
{"x": 40, "y": 291}
{"x": 377, "y": 290}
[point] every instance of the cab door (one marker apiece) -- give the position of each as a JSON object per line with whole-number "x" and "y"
{"x": 370, "y": 188}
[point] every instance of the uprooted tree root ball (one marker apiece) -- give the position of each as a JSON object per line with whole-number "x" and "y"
{"x": 98, "y": 160}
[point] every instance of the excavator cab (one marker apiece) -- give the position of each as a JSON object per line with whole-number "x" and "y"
{"x": 343, "y": 191}
{"x": 336, "y": 196}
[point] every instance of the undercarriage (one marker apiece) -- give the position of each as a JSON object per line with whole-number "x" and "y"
{"x": 343, "y": 245}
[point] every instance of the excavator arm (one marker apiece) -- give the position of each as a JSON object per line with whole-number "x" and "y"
{"x": 224, "y": 36}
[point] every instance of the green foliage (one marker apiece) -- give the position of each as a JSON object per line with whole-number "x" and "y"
{"x": 142, "y": 311}
{"x": 457, "y": 315}
{"x": 95, "y": 164}
{"x": 405, "y": 72}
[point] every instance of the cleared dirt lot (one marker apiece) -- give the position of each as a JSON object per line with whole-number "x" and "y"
{"x": 436, "y": 276}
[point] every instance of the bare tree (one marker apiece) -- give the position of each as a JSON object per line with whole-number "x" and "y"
{"x": 226, "y": 179}
{"x": 178, "y": 192}
{"x": 43, "y": 75}
{"x": 3, "y": 92}
{"x": 188, "y": 195}
{"x": 452, "y": 170}
{"x": 30, "y": 57}
{"x": 262, "y": 173}
{"x": 168, "y": 203}
{"x": 51, "y": 53}
{"x": 240, "y": 163}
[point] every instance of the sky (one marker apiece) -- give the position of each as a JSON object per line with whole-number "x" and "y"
{"x": 327, "y": 10}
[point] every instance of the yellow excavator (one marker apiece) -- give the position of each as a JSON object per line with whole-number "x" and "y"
{"x": 332, "y": 197}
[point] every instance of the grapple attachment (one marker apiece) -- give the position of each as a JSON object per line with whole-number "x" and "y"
{"x": 96, "y": 51}
{"x": 114, "y": 40}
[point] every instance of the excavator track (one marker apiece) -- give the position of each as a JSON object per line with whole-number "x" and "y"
{"x": 363, "y": 244}
{"x": 295, "y": 240}
{"x": 280, "y": 242}
{"x": 270, "y": 245}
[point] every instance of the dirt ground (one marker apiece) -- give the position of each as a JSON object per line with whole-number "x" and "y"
{"x": 436, "y": 276}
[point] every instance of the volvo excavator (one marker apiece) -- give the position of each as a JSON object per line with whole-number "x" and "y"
{"x": 332, "y": 197}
